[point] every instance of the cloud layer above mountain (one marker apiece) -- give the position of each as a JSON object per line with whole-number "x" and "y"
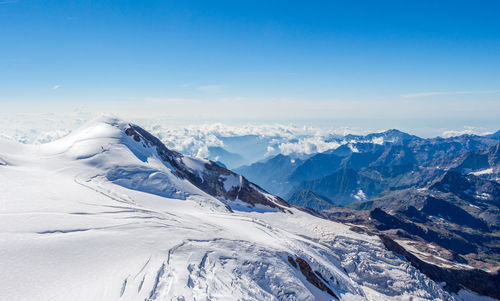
{"x": 251, "y": 142}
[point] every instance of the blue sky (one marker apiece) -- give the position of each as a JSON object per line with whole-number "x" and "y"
{"x": 414, "y": 61}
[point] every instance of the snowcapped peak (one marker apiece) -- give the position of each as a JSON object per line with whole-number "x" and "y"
{"x": 128, "y": 155}
{"x": 99, "y": 122}
{"x": 89, "y": 139}
{"x": 106, "y": 118}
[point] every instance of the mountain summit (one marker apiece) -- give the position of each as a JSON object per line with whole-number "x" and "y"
{"x": 130, "y": 156}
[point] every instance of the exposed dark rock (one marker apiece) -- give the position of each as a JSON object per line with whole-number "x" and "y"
{"x": 307, "y": 271}
{"x": 448, "y": 241}
{"x": 292, "y": 261}
{"x": 360, "y": 230}
{"x": 307, "y": 198}
{"x": 342, "y": 187}
{"x": 469, "y": 187}
{"x": 455, "y": 214}
{"x": 210, "y": 179}
{"x": 475, "y": 280}
{"x": 414, "y": 214}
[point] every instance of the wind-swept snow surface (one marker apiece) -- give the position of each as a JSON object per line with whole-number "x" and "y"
{"x": 106, "y": 214}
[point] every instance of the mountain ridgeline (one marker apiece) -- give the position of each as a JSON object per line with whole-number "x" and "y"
{"x": 366, "y": 166}
{"x": 435, "y": 201}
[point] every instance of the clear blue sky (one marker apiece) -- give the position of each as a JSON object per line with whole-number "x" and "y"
{"x": 335, "y": 60}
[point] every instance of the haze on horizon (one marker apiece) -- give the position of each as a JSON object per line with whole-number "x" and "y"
{"x": 421, "y": 67}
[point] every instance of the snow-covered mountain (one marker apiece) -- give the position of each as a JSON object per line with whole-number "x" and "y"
{"x": 109, "y": 213}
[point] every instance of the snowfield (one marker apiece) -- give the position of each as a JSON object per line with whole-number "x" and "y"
{"x": 98, "y": 215}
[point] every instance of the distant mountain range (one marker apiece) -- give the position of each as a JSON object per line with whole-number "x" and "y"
{"x": 434, "y": 201}
{"x": 365, "y": 166}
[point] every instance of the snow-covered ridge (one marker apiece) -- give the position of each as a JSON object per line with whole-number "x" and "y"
{"x": 134, "y": 158}
{"x": 107, "y": 213}
{"x": 207, "y": 175}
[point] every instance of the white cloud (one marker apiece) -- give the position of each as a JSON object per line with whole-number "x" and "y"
{"x": 287, "y": 139}
{"x": 308, "y": 145}
{"x": 35, "y": 128}
{"x": 7, "y": 2}
{"x": 467, "y": 130}
{"x": 196, "y": 139}
{"x": 436, "y": 93}
{"x": 55, "y": 87}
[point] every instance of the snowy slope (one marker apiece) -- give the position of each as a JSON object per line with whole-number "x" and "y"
{"x": 106, "y": 214}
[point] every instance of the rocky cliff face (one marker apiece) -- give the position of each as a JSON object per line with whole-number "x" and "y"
{"x": 482, "y": 282}
{"x": 208, "y": 176}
